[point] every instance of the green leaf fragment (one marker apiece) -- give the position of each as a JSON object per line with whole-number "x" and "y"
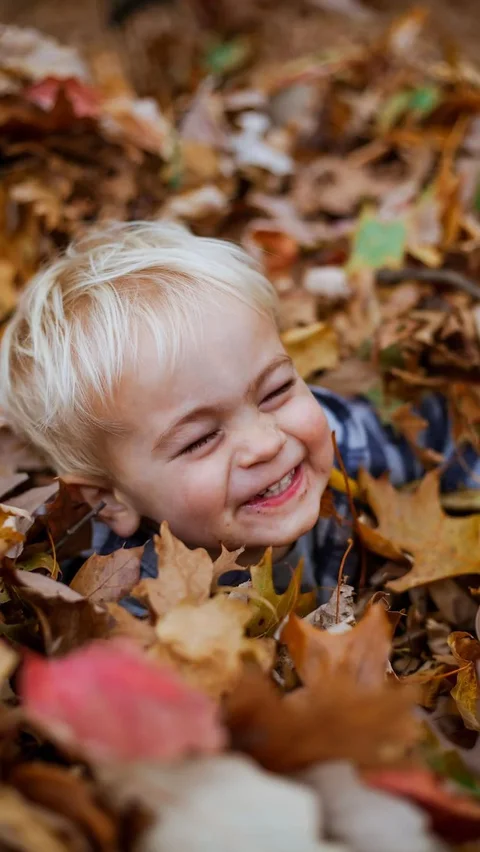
{"x": 377, "y": 243}
{"x": 228, "y": 56}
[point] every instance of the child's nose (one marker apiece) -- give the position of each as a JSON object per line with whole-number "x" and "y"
{"x": 260, "y": 443}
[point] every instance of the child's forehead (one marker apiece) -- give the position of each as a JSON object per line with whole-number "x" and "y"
{"x": 222, "y": 351}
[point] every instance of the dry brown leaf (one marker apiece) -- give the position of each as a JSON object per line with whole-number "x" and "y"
{"x": 183, "y": 574}
{"x": 312, "y": 348}
{"x": 127, "y": 626}
{"x": 206, "y": 643}
{"x": 22, "y": 824}
{"x": 411, "y": 425}
{"x": 440, "y": 546}
{"x": 64, "y": 792}
{"x": 67, "y": 620}
{"x": 105, "y": 579}
{"x": 466, "y": 691}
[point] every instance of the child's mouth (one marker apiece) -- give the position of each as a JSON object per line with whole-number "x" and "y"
{"x": 279, "y": 492}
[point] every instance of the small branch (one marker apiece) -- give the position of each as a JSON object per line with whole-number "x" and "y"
{"x": 73, "y": 529}
{"x": 432, "y": 276}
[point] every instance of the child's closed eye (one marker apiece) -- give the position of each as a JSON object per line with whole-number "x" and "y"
{"x": 200, "y": 442}
{"x": 279, "y": 391}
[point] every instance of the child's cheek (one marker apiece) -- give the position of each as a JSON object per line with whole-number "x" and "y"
{"x": 308, "y": 424}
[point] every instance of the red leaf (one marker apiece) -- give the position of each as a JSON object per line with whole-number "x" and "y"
{"x": 110, "y": 703}
{"x": 82, "y": 99}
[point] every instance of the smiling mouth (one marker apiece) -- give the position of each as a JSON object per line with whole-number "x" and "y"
{"x": 278, "y": 490}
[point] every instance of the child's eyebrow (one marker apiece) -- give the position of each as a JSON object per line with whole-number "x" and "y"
{"x": 200, "y": 411}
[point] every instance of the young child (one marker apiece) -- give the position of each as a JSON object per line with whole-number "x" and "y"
{"x": 147, "y": 365}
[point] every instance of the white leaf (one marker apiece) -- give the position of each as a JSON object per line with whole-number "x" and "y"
{"x": 219, "y": 804}
{"x": 368, "y": 820}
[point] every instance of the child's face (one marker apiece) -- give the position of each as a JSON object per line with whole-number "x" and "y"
{"x": 204, "y": 444}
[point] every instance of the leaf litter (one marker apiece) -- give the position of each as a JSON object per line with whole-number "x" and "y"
{"x": 352, "y": 177}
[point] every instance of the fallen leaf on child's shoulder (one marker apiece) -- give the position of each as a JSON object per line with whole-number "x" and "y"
{"x": 206, "y": 643}
{"x": 109, "y": 703}
{"x": 363, "y": 651}
{"x": 183, "y": 574}
{"x": 104, "y": 579}
{"x": 466, "y": 691}
{"x": 270, "y": 608}
{"x": 415, "y": 523}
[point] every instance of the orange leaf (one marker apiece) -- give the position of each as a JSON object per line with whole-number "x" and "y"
{"x": 362, "y": 651}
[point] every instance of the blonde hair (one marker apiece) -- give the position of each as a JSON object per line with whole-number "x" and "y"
{"x": 79, "y": 320}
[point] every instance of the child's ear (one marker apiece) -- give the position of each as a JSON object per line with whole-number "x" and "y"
{"x": 120, "y": 516}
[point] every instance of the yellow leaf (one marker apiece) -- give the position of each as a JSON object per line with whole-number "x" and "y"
{"x": 206, "y": 643}
{"x": 271, "y": 608}
{"x": 466, "y": 692}
{"x": 312, "y": 348}
{"x": 337, "y": 482}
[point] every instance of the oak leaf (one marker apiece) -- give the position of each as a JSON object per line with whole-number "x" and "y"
{"x": 105, "y": 579}
{"x": 206, "y": 643}
{"x": 110, "y": 703}
{"x": 415, "y": 523}
{"x": 270, "y": 608}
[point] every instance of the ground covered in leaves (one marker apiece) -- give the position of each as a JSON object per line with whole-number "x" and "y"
{"x": 234, "y": 718}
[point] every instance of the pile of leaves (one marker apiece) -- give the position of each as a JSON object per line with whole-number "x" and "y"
{"x": 245, "y": 716}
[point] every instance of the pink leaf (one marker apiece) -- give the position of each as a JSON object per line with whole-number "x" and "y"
{"x": 112, "y": 704}
{"x": 82, "y": 99}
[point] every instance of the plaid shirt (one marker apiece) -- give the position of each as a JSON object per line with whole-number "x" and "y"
{"x": 363, "y": 441}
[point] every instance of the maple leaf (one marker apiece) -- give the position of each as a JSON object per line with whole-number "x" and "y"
{"x": 466, "y": 691}
{"x": 183, "y": 574}
{"x": 415, "y": 523}
{"x": 317, "y": 652}
{"x": 206, "y": 643}
{"x": 346, "y": 708}
{"x": 109, "y": 703}
{"x": 270, "y": 609}
{"x": 334, "y": 721}
{"x": 104, "y": 579}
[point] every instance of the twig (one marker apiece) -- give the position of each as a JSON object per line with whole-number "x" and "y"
{"x": 73, "y": 529}
{"x": 433, "y": 276}
{"x": 340, "y": 579}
